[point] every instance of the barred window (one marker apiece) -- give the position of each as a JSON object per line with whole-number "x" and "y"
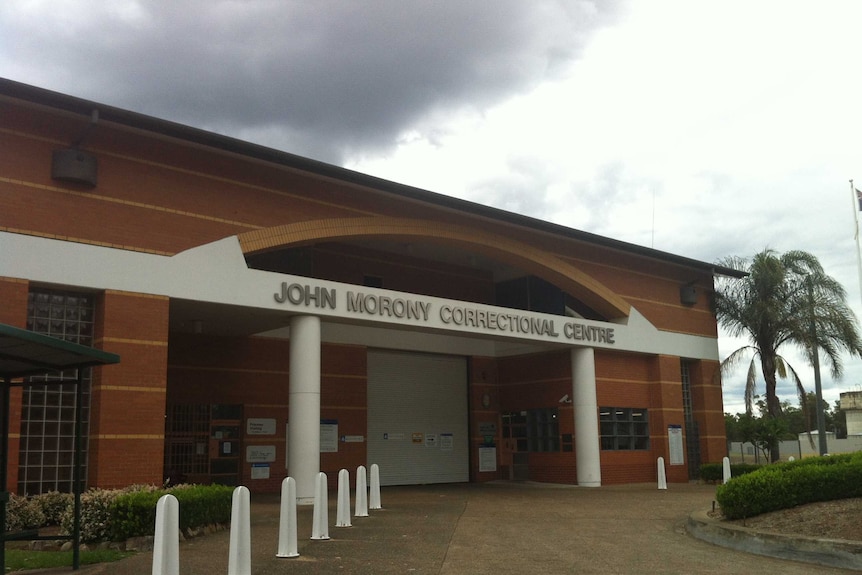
{"x": 624, "y": 428}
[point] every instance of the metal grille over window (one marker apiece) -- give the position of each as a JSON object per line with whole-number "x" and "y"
{"x": 533, "y": 430}
{"x": 47, "y": 445}
{"x": 187, "y": 430}
{"x": 624, "y": 428}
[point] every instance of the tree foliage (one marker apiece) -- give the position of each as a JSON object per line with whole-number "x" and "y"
{"x": 785, "y": 300}
{"x": 776, "y": 305}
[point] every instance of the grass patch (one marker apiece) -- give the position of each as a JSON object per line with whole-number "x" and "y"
{"x": 18, "y": 559}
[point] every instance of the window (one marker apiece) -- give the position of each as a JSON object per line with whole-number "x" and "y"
{"x": 48, "y": 412}
{"x": 624, "y": 428}
{"x": 536, "y": 430}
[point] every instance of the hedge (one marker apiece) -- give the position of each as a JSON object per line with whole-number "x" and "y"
{"x": 117, "y": 514}
{"x": 135, "y": 513}
{"x": 785, "y": 485}
{"x": 714, "y": 472}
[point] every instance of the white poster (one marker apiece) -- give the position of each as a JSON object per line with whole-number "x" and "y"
{"x": 674, "y": 439}
{"x": 260, "y": 453}
{"x": 447, "y": 442}
{"x": 329, "y": 436}
{"x": 260, "y": 471}
{"x": 487, "y": 459}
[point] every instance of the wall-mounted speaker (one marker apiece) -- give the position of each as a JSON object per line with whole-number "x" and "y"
{"x": 687, "y": 295}
{"x": 74, "y": 166}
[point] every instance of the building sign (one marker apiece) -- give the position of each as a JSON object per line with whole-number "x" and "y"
{"x": 260, "y": 453}
{"x": 329, "y": 436}
{"x": 424, "y": 311}
{"x": 260, "y": 470}
{"x": 260, "y": 426}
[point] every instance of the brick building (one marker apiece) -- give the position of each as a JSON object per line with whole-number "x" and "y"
{"x": 276, "y": 315}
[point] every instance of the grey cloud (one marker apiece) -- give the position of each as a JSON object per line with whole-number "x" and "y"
{"x": 326, "y": 77}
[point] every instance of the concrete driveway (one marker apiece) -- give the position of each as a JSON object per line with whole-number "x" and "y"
{"x": 495, "y": 528}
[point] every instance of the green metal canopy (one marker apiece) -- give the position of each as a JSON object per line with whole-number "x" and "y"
{"x": 24, "y": 353}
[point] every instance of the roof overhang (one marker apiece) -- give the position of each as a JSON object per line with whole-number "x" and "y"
{"x": 24, "y": 353}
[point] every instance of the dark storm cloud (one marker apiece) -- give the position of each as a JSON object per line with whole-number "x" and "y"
{"x": 323, "y": 78}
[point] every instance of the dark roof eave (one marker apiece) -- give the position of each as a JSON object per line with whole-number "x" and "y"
{"x": 171, "y": 129}
{"x": 24, "y": 352}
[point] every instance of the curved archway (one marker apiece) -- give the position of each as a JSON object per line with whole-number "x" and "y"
{"x": 547, "y": 266}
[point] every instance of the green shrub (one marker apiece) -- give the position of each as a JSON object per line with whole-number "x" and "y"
{"x": 135, "y": 513}
{"x": 116, "y": 515}
{"x": 23, "y": 513}
{"x": 784, "y": 485}
{"x": 54, "y": 505}
{"x": 714, "y": 472}
{"x": 203, "y": 504}
{"x": 95, "y": 515}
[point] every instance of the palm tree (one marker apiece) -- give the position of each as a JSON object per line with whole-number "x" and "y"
{"x": 785, "y": 300}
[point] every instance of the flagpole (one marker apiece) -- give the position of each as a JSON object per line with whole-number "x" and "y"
{"x": 857, "y": 204}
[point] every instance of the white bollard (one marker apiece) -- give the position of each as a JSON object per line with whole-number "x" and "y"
{"x": 342, "y": 511}
{"x": 287, "y": 529}
{"x": 374, "y": 498}
{"x": 361, "y": 493}
{"x": 166, "y": 543}
{"x": 320, "y": 523}
{"x": 725, "y": 469}
{"x": 239, "y": 555}
{"x": 662, "y": 478}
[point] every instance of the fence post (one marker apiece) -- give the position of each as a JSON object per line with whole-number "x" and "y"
{"x": 239, "y": 555}
{"x": 374, "y": 499}
{"x": 166, "y": 544}
{"x": 320, "y": 523}
{"x": 342, "y": 512}
{"x": 361, "y": 493}
{"x": 287, "y": 529}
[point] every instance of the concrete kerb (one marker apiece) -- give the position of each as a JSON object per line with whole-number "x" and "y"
{"x": 828, "y": 552}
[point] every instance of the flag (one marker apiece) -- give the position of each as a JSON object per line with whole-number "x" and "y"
{"x": 858, "y": 199}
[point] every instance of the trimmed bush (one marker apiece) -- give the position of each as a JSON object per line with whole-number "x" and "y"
{"x": 95, "y": 515}
{"x": 785, "y": 485}
{"x": 54, "y": 505}
{"x": 23, "y": 513}
{"x": 714, "y": 472}
{"x": 117, "y": 514}
{"x": 135, "y": 513}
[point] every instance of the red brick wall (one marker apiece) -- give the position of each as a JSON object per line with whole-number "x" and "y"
{"x": 193, "y": 196}
{"x": 254, "y": 372}
{"x": 127, "y": 412}
{"x": 13, "y": 311}
{"x": 707, "y": 407}
{"x": 667, "y": 409}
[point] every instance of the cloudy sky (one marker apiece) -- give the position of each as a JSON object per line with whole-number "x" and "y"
{"x": 705, "y": 129}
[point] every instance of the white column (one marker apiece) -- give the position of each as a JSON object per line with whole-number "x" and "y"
{"x": 586, "y": 417}
{"x": 303, "y": 437}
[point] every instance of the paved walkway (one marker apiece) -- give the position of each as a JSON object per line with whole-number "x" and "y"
{"x": 498, "y": 528}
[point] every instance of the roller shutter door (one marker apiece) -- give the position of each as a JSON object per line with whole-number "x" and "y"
{"x": 417, "y": 417}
